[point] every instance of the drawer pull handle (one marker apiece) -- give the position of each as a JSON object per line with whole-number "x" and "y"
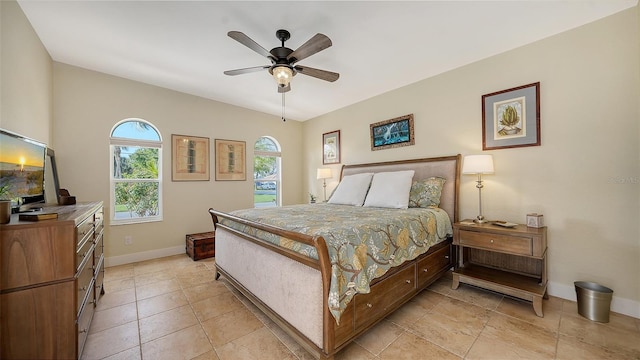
{"x": 492, "y": 241}
{"x": 446, "y": 256}
{"x": 408, "y": 281}
{"x": 425, "y": 270}
{"x": 369, "y": 305}
{"x": 83, "y": 288}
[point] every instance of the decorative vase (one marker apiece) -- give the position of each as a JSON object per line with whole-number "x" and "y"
{"x": 5, "y": 211}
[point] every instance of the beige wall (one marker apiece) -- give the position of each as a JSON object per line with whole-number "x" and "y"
{"x": 585, "y": 178}
{"x": 87, "y": 106}
{"x": 25, "y": 77}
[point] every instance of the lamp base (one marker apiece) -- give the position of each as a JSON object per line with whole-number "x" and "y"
{"x": 480, "y": 220}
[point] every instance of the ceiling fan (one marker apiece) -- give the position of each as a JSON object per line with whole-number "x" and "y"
{"x": 283, "y": 60}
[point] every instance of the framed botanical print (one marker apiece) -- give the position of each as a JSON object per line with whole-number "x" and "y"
{"x": 189, "y": 158}
{"x": 331, "y": 147}
{"x": 230, "y": 160}
{"x": 511, "y": 118}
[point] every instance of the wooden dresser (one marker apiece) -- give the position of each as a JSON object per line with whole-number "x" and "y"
{"x": 51, "y": 278}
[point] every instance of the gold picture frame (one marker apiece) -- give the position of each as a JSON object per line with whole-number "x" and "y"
{"x": 392, "y": 133}
{"x": 189, "y": 158}
{"x": 230, "y": 160}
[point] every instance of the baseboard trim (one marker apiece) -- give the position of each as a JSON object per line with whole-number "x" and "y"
{"x": 619, "y": 305}
{"x": 142, "y": 256}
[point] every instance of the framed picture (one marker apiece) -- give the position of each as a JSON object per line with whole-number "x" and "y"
{"x": 511, "y": 118}
{"x": 392, "y": 133}
{"x": 230, "y": 160}
{"x": 331, "y": 147}
{"x": 189, "y": 158}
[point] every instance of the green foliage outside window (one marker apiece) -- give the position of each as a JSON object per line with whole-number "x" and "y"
{"x": 139, "y": 196}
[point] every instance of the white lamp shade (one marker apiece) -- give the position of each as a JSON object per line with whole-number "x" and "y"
{"x": 324, "y": 173}
{"x": 478, "y": 164}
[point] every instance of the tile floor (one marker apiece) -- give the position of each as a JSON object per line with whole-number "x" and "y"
{"x": 171, "y": 308}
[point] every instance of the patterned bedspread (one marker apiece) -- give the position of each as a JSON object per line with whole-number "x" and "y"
{"x": 363, "y": 242}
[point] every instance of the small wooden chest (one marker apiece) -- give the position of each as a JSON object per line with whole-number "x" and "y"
{"x": 201, "y": 245}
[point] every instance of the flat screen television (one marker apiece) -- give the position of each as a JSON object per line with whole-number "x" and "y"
{"x": 22, "y": 166}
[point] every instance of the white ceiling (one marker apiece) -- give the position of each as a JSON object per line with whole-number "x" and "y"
{"x": 377, "y": 45}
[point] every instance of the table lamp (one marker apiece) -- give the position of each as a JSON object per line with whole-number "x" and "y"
{"x": 324, "y": 174}
{"x": 478, "y": 164}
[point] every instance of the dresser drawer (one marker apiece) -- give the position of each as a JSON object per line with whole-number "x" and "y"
{"x": 99, "y": 248}
{"x": 85, "y": 278}
{"x": 99, "y": 279}
{"x": 84, "y": 322}
{"x": 517, "y": 245}
{"x": 85, "y": 232}
{"x": 84, "y": 254}
{"x": 429, "y": 267}
{"x": 384, "y": 296}
{"x": 99, "y": 221}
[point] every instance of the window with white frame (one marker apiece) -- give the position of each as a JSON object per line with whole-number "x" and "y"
{"x": 136, "y": 172}
{"x": 266, "y": 173}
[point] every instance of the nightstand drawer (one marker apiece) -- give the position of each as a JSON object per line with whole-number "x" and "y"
{"x": 516, "y": 245}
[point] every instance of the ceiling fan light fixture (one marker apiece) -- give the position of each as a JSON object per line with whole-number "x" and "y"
{"x": 283, "y": 75}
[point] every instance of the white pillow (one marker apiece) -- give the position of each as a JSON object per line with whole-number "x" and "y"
{"x": 352, "y": 190}
{"x": 390, "y": 190}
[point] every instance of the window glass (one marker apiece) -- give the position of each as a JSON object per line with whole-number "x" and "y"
{"x": 266, "y": 173}
{"x": 136, "y": 173}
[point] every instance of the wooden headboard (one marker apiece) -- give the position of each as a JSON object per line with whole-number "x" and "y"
{"x": 447, "y": 167}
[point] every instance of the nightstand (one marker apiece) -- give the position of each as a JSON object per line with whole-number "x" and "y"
{"x": 512, "y": 261}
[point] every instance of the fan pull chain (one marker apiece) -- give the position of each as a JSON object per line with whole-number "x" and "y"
{"x": 283, "y": 118}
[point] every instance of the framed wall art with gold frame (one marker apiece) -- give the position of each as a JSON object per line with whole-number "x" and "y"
{"x": 392, "y": 133}
{"x": 189, "y": 158}
{"x": 230, "y": 160}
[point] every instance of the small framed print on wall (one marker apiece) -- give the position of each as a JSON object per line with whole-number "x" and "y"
{"x": 392, "y": 133}
{"x": 189, "y": 158}
{"x": 511, "y": 118}
{"x": 331, "y": 147}
{"x": 230, "y": 160}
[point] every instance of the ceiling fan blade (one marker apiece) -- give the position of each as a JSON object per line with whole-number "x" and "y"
{"x": 248, "y": 42}
{"x": 246, "y": 70}
{"x": 317, "y": 73}
{"x": 284, "y": 89}
{"x": 316, "y": 44}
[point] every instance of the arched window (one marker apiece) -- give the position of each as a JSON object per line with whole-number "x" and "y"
{"x": 266, "y": 172}
{"x": 135, "y": 146}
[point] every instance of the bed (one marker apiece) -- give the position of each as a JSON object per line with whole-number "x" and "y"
{"x": 325, "y": 275}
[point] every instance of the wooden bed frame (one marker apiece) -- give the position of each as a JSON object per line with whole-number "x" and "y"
{"x": 387, "y": 294}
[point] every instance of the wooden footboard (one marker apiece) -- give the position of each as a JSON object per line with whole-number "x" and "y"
{"x": 387, "y": 293}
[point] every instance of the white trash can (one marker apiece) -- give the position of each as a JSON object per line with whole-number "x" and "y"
{"x": 594, "y": 300}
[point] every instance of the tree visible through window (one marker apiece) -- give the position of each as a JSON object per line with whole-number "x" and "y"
{"x": 266, "y": 172}
{"x": 136, "y": 174}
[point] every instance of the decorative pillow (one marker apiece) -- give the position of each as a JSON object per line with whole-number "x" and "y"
{"x": 352, "y": 190}
{"x": 390, "y": 189}
{"x": 427, "y": 192}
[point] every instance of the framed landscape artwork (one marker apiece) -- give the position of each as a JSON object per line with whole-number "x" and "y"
{"x": 331, "y": 147}
{"x": 511, "y": 118}
{"x": 392, "y": 133}
{"x": 230, "y": 160}
{"x": 189, "y": 158}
